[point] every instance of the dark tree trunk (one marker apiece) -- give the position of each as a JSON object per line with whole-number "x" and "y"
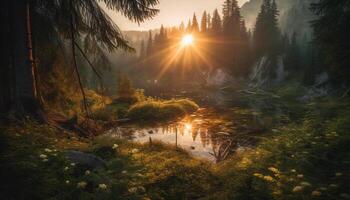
{"x": 24, "y": 100}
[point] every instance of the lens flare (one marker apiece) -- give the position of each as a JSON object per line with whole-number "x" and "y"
{"x": 187, "y": 40}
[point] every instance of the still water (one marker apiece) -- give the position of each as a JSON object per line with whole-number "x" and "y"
{"x": 203, "y": 134}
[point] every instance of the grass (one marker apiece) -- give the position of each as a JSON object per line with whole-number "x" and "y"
{"x": 161, "y": 110}
{"x": 307, "y": 159}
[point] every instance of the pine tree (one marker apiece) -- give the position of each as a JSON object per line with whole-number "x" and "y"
{"x": 142, "y": 50}
{"x": 195, "y": 25}
{"x": 208, "y": 22}
{"x": 149, "y": 44}
{"x": 216, "y": 24}
{"x": 266, "y": 31}
{"x": 226, "y": 18}
{"x": 332, "y": 33}
{"x": 189, "y": 26}
{"x": 204, "y": 23}
{"x": 182, "y": 27}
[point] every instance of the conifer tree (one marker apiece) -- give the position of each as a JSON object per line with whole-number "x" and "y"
{"x": 208, "y": 22}
{"x": 142, "y": 50}
{"x": 216, "y": 24}
{"x": 195, "y": 25}
{"x": 204, "y": 23}
{"x": 182, "y": 27}
{"x": 149, "y": 44}
{"x": 189, "y": 26}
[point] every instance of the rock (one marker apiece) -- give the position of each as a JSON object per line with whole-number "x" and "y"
{"x": 150, "y": 132}
{"x": 85, "y": 159}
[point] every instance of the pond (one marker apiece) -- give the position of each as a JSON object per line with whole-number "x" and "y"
{"x": 221, "y": 128}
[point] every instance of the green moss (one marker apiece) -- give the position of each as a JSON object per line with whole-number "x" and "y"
{"x": 161, "y": 110}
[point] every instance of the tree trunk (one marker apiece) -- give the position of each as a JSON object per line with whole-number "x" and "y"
{"x": 25, "y": 95}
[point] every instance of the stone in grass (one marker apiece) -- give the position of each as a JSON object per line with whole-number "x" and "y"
{"x": 85, "y": 159}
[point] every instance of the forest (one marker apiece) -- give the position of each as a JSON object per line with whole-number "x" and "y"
{"x": 246, "y": 101}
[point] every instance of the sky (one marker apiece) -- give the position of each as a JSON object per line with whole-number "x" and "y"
{"x": 172, "y": 12}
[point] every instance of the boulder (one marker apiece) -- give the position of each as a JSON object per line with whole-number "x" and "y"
{"x": 85, "y": 159}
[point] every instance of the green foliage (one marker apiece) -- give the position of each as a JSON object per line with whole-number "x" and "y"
{"x": 161, "y": 110}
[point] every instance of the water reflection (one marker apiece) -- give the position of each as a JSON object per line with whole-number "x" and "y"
{"x": 203, "y": 135}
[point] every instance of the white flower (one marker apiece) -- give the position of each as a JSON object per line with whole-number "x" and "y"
{"x": 124, "y": 172}
{"x": 55, "y": 154}
{"x": 45, "y": 160}
{"x": 72, "y": 164}
{"x": 66, "y": 168}
{"x": 47, "y": 150}
{"x": 293, "y": 171}
{"x": 306, "y": 184}
{"x": 300, "y": 176}
{"x": 67, "y": 181}
{"x": 333, "y": 185}
{"x": 102, "y": 186}
{"x": 87, "y": 172}
{"x": 115, "y": 146}
{"x": 81, "y": 184}
{"x": 316, "y": 193}
{"x": 323, "y": 188}
{"x": 135, "y": 151}
{"x": 43, "y": 156}
{"x": 338, "y": 174}
{"x": 298, "y": 188}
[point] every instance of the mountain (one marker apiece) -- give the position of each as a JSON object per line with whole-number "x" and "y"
{"x": 295, "y": 15}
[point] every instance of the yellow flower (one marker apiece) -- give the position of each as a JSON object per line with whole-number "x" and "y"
{"x": 274, "y": 170}
{"x": 102, "y": 186}
{"x": 81, "y": 184}
{"x": 298, "y": 188}
{"x": 268, "y": 178}
{"x": 135, "y": 151}
{"x": 115, "y": 146}
{"x": 258, "y": 175}
{"x": 316, "y": 193}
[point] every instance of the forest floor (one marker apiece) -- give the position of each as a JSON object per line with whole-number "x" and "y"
{"x": 305, "y": 157}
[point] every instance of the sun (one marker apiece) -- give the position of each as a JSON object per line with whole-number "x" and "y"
{"x": 187, "y": 40}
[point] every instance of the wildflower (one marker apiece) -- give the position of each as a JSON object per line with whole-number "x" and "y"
{"x": 316, "y": 193}
{"x": 314, "y": 143}
{"x": 338, "y": 174}
{"x": 305, "y": 184}
{"x": 45, "y": 160}
{"x": 268, "y": 178}
{"x": 323, "y": 188}
{"x": 102, "y": 186}
{"x": 43, "y": 156}
{"x": 132, "y": 190}
{"x": 258, "y": 175}
{"x": 278, "y": 192}
{"x": 124, "y": 172}
{"x": 66, "y": 168}
{"x": 333, "y": 185}
{"x": 72, "y": 164}
{"x": 55, "y": 154}
{"x": 300, "y": 176}
{"x": 47, "y": 150}
{"x": 81, "y": 184}
{"x": 274, "y": 170}
{"x": 87, "y": 172}
{"x": 293, "y": 171}
{"x": 115, "y": 146}
{"x": 67, "y": 181}
{"x": 298, "y": 188}
{"x": 135, "y": 151}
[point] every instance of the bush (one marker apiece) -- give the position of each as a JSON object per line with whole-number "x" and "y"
{"x": 161, "y": 110}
